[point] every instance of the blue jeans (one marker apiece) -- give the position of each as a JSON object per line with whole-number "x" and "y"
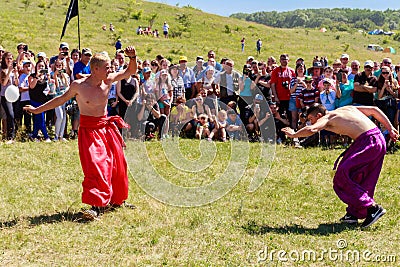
{"x": 39, "y": 122}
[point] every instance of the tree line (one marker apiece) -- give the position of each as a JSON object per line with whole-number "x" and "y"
{"x": 340, "y": 19}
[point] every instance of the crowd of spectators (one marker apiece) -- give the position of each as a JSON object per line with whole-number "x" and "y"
{"x": 211, "y": 100}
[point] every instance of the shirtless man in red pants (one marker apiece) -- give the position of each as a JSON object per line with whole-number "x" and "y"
{"x": 100, "y": 142}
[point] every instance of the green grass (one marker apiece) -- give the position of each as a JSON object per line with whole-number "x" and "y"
{"x": 294, "y": 209}
{"x": 41, "y": 29}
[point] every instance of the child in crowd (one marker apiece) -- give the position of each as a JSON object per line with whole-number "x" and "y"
{"x": 309, "y": 95}
{"x": 202, "y": 129}
{"x": 234, "y": 126}
{"x": 220, "y": 127}
{"x": 358, "y": 172}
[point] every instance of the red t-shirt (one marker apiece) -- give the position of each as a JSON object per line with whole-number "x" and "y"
{"x": 280, "y": 75}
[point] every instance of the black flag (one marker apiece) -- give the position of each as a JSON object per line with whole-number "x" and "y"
{"x": 72, "y": 12}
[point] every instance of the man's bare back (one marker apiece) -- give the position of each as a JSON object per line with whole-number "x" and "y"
{"x": 349, "y": 120}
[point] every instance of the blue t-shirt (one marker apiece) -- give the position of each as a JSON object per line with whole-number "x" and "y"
{"x": 81, "y": 68}
{"x": 346, "y": 98}
{"x": 247, "y": 87}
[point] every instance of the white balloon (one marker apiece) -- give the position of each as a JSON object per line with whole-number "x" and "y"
{"x": 12, "y": 93}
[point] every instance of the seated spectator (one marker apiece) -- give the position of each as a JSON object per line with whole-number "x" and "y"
{"x": 202, "y": 127}
{"x": 151, "y": 119}
{"x": 280, "y": 122}
{"x": 139, "y": 30}
{"x": 234, "y": 128}
{"x": 219, "y": 131}
{"x": 180, "y": 116}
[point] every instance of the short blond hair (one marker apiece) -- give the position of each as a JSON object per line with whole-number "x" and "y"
{"x": 99, "y": 59}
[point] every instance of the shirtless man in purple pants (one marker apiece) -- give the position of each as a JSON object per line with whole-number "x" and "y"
{"x": 358, "y": 171}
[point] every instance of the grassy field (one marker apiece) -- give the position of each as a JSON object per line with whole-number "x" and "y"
{"x": 294, "y": 210}
{"x": 40, "y": 23}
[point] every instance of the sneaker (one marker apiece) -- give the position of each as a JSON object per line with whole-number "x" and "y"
{"x": 348, "y": 218}
{"x": 374, "y": 213}
{"x": 92, "y": 214}
{"x": 48, "y": 140}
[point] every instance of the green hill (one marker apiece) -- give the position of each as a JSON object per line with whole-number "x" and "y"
{"x": 39, "y": 23}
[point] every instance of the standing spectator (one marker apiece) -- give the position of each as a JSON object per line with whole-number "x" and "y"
{"x": 263, "y": 81}
{"x": 309, "y": 95}
{"x": 165, "y": 29}
{"x": 385, "y": 62}
{"x": 61, "y": 82}
{"x": 211, "y": 55}
{"x": 199, "y": 68}
{"x": 25, "y": 117}
{"x": 178, "y": 87}
{"x": 63, "y": 52}
{"x": 188, "y": 77}
{"x": 328, "y": 74}
{"x": 163, "y": 91}
{"x": 258, "y": 46}
{"x": 344, "y": 59}
{"x": 365, "y": 86}
{"x": 297, "y": 85}
{"x": 229, "y": 83}
{"x": 75, "y": 57}
{"x": 8, "y": 76}
{"x": 328, "y": 95}
{"x": 82, "y": 67}
{"x": 38, "y": 86}
{"x": 388, "y": 89}
{"x": 280, "y": 82}
{"x": 317, "y": 73}
{"x": 344, "y": 90}
{"x": 242, "y": 42}
{"x": 118, "y": 45}
{"x": 120, "y": 57}
{"x": 355, "y": 69}
{"x": 246, "y": 88}
{"x": 271, "y": 61}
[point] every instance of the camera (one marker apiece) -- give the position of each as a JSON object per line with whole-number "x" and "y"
{"x": 14, "y": 64}
{"x": 64, "y": 53}
{"x": 285, "y": 84}
{"x": 44, "y": 71}
{"x": 61, "y": 71}
{"x": 25, "y": 48}
{"x": 246, "y": 72}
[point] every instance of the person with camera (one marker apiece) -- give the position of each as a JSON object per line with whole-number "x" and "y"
{"x": 246, "y": 88}
{"x": 38, "y": 94}
{"x": 61, "y": 83}
{"x": 23, "y": 55}
{"x": 63, "y": 54}
{"x": 280, "y": 83}
{"x": 8, "y": 76}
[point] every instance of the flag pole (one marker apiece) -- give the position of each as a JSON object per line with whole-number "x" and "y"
{"x": 79, "y": 30}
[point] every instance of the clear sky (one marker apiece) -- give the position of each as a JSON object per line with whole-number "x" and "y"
{"x": 228, "y": 7}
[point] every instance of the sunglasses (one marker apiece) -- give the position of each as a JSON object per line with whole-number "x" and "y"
{"x": 387, "y": 62}
{"x": 384, "y": 73}
{"x": 202, "y": 119}
{"x": 367, "y": 67}
{"x": 198, "y": 99}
